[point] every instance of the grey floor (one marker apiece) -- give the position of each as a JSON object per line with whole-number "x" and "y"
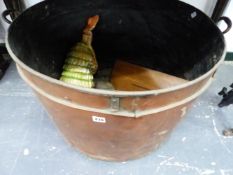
{"x": 31, "y": 145}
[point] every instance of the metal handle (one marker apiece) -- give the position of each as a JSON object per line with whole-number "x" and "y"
{"x": 227, "y": 21}
{"x": 5, "y": 14}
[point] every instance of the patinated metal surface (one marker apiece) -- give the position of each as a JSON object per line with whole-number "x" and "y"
{"x": 131, "y": 104}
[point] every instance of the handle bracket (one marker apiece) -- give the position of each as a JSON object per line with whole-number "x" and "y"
{"x": 7, "y": 13}
{"x": 227, "y": 21}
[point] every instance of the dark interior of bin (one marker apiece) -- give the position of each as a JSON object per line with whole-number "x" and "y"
{"x": 168, "y": 36}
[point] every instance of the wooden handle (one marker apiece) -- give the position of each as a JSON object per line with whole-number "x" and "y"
{"x": 92, "y": 21}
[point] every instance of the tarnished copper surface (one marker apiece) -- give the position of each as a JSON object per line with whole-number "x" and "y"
{"x": 120, "y": 138}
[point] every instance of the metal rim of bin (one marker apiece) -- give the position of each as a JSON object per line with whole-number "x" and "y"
{"x": 124, "y": 113}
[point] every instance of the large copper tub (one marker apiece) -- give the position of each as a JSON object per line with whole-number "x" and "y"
{"x": 117, "y": 125}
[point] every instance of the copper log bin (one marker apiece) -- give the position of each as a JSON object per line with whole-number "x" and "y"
{"x": 117, "y": 125}
{"x": 133, "y": 128}
{"x": 141, "y": 126}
